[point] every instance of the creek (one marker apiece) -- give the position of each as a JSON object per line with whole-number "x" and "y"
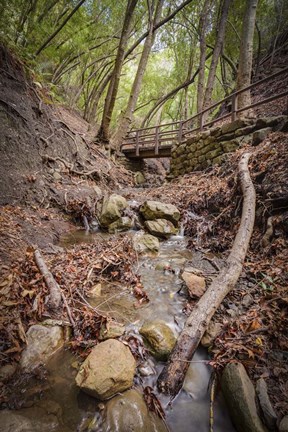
{"x": 160, "y": 276}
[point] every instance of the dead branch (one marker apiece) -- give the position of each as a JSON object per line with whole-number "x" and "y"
{"x": 69, "y": 313}
{"x": 172, "y": 376}
{"x": 54, "y": 289}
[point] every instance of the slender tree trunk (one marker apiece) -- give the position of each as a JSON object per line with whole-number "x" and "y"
{"x": 216, "y": 53}
{"x": 134, "y": 94}
{"x": 115, "y": 79}
{"x": 50, "y": 38}
{"x": 172, "y": 376}
{"x": 202, "y": 39}
{"x": 186, "y": 89}
{"x": 246, "y": 55}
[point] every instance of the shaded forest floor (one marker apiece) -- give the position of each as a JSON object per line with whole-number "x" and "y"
{"x": 52, "y": 176}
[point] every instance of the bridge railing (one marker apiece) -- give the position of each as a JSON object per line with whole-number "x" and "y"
{"x": 159, "y": 135}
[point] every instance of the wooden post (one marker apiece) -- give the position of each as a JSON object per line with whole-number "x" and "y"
{"x": 157, "y": 140}
{"x": 234, "y": 108}
{"x": 180, "y": 131}
{"x": 137, "y": 143}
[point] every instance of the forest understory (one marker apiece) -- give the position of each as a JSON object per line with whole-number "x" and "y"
{"x": 53, "y": 176}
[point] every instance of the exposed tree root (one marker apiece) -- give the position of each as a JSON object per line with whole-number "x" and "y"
{"x": 172, "y": 376}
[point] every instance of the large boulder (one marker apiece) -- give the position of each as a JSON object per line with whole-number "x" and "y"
{"x": 42, "y": 343}
{"x": 160, "y": 338}
{"x": 145, "y": 243}
{"x": 161, "y": 228}
{"x": 152, "y": 210}
{"x": 239, "y": 393}
{"x": 108, "y": 370}
{"x": 124, "y": 223}
{"x": 128, "y": 412}
{"x": 112, "y": 209}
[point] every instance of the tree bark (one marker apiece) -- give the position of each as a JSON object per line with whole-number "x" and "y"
{"x": 216, "y": 54}
{"x": 136, "y": 87}
{"x": 202, "y": 39}
{"x": 172, "y": 376}
{"x": 52, "y": 285}
{"x": 115, "y": 78}
{"x": 246, "y": 55}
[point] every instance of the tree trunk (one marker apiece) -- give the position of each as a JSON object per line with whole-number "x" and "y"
{"x": 216, "y": 53}
{"x": 172, "y": 376}
{"x": 128, "y": 114}
{"x": 115, "y": 79}
{"x": 201, "y": 76}
{"x": 186, "y": 89}
{"x": 246, "y": 55}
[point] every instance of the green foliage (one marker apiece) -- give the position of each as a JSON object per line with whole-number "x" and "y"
{"x": 79, "y": 58}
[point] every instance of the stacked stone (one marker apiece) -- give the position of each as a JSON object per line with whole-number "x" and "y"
{"x": 210, "y": 147}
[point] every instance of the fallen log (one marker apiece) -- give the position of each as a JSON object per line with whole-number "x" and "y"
{"x": 54, "y": 289}
{"x": 171, "y": 378}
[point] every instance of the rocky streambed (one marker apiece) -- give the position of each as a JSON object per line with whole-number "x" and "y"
{"x": 114, "y": 389}
{"x": 63, "y": 407}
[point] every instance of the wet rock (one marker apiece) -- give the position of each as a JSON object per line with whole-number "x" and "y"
{"x": 111, "y": 330}
{"x": 161, "y": 228}
{"x": 95, "y": 291}
{"x": 7, "y": 371}
{"x": 42, "y": 343}
{"x": 240, "y": 397}
{"x": 269, "y": 414}
{"x": 163, "y": 265}
{"x": 28, "y": 420}
{"x": 108, "y": 370}
{"x": 260, "y": 136}
{"x": 195, "y": 284}
{"x": 139, "y": 178}
{"x": 128, "y": 413}
{"x": 152, "y": 210}
{"x": 145, "y": 243}
{"x": 146, "y": 369}
{"x": 160, "y": 338}
{"x": 283, "y": 426}
{"x": 111, "y": 209}
{"x": 124, "y": 223}
{"x": 211, "y": 333}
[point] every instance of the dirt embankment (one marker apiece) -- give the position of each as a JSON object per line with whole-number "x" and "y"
{"x": 48, "y": 163}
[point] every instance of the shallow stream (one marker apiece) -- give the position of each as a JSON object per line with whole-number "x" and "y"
{"x": 190, "y": 411}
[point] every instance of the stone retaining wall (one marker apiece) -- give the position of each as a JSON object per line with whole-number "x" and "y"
{"x": 210, "y": 147}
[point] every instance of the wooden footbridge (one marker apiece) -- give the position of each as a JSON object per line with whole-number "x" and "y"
{"x": 156, "y": 141}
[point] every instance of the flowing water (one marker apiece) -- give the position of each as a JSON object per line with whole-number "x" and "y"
{"x": 190, "y": 411}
